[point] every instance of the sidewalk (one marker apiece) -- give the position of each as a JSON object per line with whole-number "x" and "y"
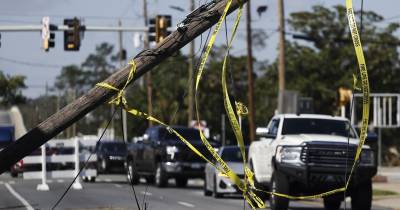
{"x": 392, "y": 184}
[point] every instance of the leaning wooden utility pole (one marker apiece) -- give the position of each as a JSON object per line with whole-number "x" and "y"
{"x": 282, "y": 61}
{"x": 190, "y": 78}
{"x": 188, "y": 30}
{"x": 149, "y": 86}
{"x": 250, "y": 85}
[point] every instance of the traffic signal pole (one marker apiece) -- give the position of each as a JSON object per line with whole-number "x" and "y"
{"x": 282, "y": 59}
{"x": 250, "y": 85}
{"x": 191, "y": 73}
{"x": 56, "y": 123}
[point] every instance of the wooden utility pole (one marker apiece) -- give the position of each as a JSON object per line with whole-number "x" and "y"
{"x": 97, "y": 95}
{"x": 282, "y": 61}
{"x": 250, "y": 85}
{"x": 149, "y": 87}
{"x": 191, "y": 72}
{"x": 121, "y": 64}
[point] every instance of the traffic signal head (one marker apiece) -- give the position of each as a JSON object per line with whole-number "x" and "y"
{"x": 344, "y": 96}
{"x": 72, "y": 37}
{"x": 152, "y": 30}
{"x": 162, "y": 24}
{"x": 48, "y": 34}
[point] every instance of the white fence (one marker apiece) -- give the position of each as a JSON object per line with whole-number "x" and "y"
{"x": 78, "y": 153}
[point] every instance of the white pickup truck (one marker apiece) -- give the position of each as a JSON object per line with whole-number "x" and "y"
{"x": 309, "y": 154}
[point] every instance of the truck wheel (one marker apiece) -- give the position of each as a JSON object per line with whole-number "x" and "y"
{"x": 132, "y": 176}
{"x": 161, "y": 178}
{"x": 333, "y": 202}
{"x": 279, "y": 184}
{"x": 14, "y": 174}
{"x": 150, "y": 179}
{"x": 215, "y": 191}
{"x": 361, "y": 197}
{"x": 181, "y": 182}
{"x": 262, "y": 195}
{"x": 205, "y": 190}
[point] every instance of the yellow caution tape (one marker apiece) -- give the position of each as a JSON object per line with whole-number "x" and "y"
{"x": 247, "y": 185}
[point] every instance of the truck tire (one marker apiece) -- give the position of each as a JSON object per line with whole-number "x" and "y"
{"x": 161, "y": 178}
{"x": 333, "y": 202}
{"x": 262, "y": 195}
{"x": 181, "y": 182}
{"x": 361, "y": 197}
{"x": 132, "y": 176}
{"x": 216, "y": 194}
{"x": 205, "y": 190}
{"x": 150, "y": 179}
{"x": 279, "y": 184}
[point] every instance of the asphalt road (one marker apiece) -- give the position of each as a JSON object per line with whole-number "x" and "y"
{"x": 113, "y": 192}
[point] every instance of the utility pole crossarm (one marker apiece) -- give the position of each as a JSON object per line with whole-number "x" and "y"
{"x": 97, "y": 96}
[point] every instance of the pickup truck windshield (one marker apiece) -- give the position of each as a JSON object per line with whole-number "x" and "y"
{"x": 317, "y": 126}
{"x": 187, "y": 133}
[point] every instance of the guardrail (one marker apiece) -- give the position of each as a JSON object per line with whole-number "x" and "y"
{"x": 79, "y": 148}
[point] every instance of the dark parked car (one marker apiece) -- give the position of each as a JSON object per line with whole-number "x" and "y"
{"x": 161, "y": 155}
{"x": 110, "y": 156}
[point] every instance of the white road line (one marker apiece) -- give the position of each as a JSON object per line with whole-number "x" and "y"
{"x": 186, "y": 204}
{"x": 146, "y": 193}
{"x": 108, "y": 180}
{"x": 118, "y": 185}
{"x": 60, "y": 181}
{"x": 19, "y": 197}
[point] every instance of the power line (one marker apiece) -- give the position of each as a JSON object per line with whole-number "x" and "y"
{"x": 26, "y": 63}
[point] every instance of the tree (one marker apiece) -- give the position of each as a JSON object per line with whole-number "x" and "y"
{"x": 316, "y": 69}
{"x": 11, "y": 89}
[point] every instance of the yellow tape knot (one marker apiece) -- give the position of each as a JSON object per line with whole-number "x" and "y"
{"x": 241, "y": 109}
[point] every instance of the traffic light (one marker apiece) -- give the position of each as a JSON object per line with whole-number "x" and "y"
{"x": 72, "y": 37}
{"x": 152, "y": 30}
{"x": 344, "y": 96}
{"x": 162, "y": 24}
{"x": 48, "y": 34}
{"x": 158, "y": 28}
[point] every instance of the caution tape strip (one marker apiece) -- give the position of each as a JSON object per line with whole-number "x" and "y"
{"x": 221, "y": 166}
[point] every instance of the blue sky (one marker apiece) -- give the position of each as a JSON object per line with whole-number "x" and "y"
{"x": 19, "y": 48}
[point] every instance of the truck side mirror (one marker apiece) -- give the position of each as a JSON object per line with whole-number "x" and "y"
{"x": 146, "y": 138}
{"x": 372, "y": 138}
{"x": 264, "y": 132}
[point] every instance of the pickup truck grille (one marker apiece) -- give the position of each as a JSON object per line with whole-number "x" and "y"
{"x": 332, "y": 155}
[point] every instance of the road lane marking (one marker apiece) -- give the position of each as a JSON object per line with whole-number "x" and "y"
{"x": 60, "y": 181}
{"x": 19, "y": 197}
{"x": 186, "y": 204}
{"x": 146, "y": 193}
{"x": 108, "y": 180}
{"x": 118, "y": 185}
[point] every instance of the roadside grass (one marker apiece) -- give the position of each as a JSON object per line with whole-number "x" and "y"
{"x": 383, "y": 193}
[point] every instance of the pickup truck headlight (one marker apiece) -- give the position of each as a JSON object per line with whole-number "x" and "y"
{"x": 367, "y": 157}
{"x": 171, "y": 150}
{"x": 288, "y": 154}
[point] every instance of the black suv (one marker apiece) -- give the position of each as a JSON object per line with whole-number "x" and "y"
{"x": 110, "y": 156}
{"x": 161, "y": 155}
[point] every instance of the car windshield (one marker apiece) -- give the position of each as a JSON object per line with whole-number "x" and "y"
{"x": 317, "y": 126}
{"x": 114, "y": 147}
{"x": 187, "y": 133}
{"x": 232, "y": 154}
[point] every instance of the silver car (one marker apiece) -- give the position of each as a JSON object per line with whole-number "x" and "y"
{"x": 217, "y": 184}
